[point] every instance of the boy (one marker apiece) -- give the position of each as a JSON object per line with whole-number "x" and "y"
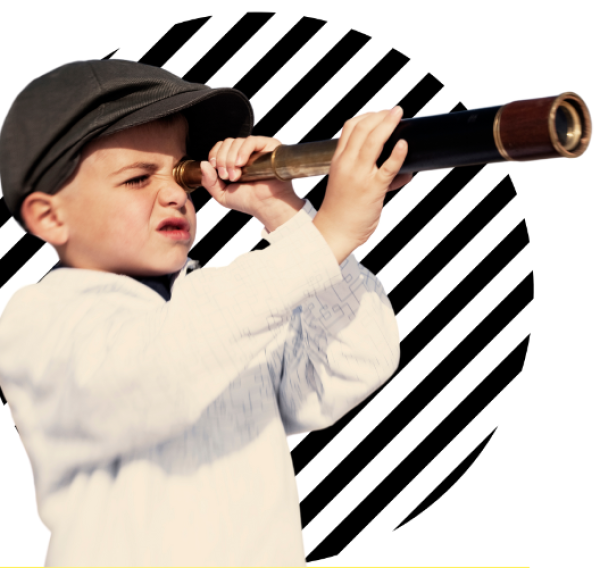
{"x": 155, "y": 405}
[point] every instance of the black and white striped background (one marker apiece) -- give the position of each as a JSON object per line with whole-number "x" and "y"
{"x": 451, "y": 249}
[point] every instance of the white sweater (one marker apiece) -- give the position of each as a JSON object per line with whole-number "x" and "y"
{"x": 157, "y": 430}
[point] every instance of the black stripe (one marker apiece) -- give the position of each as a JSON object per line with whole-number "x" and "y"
{"x": 357, "y": 97}
{"x": 468, "y": 288}
{"x": 172, "y": 42}
{"x": 414, "y": 221}
{"x": 452, "y": 244}
{"x": 107, "y": 57}
{"x": 311, "y": 83}
{"x": 218, "y": 236}
{"x": 423, "y": 393}
{"x": 422, "y": 455}
{"x": 425, "y": 90}
{"x": 17, "y": 256}
{"x": 448, "y": 482}
{"x": 2, "y": 398}
{"x": 5, "y": 214}
{"x": 430, "y": 326}
{"x": 227, "y": 47}
{"x": 278, "y": 56}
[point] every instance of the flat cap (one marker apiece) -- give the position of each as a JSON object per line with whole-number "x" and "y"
{"x": 57, "y": 114}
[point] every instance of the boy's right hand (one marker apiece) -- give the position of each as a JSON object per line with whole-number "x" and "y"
{"x": 356, "y": 189}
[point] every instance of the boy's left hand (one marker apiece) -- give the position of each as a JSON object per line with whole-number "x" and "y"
{"x": 272, "y": 202}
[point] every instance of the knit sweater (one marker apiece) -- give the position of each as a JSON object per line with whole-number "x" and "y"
{"x": 156, "y": 429}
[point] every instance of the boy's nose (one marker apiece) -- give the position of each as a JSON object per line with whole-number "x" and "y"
{"x": 172, "y": 194}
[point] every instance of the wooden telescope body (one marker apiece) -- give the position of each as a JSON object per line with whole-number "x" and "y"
{"x": 534, "y": 129}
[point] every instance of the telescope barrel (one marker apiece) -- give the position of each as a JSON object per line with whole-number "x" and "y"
{"x": 549, "y": 127}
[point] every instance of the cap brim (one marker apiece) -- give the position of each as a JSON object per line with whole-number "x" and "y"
{"x": 212, "y": 117}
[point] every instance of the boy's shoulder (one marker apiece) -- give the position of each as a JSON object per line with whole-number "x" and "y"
{"x": 65, "y": 287}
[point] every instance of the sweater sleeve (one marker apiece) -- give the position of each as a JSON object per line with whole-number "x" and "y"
{"x": 95, "y": 369}
{"x": 341, "y": 344}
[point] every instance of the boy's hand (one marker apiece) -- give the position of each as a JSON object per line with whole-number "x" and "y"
{"x": 272, "y": 202}
{"x": 356, "y": 189}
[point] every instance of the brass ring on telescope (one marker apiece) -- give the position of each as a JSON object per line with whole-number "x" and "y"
{"x": 497, "y": 138}
{"x": 579, "y": 125}
{"x": 178, "y": 174}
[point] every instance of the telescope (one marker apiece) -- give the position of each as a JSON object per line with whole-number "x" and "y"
{"x": 535, "y": 129}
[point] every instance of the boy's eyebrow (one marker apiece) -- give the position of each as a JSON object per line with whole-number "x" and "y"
{"x": 149, "y": 166}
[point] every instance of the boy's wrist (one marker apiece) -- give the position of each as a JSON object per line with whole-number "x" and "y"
{"x": 278, "y": 210}
{"x": 340, "y": 244}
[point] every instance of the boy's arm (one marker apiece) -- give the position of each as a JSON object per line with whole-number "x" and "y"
{"x": 344, "y": 340}
{"x": 342, "y": 343}
{"x": 116, "y": 369}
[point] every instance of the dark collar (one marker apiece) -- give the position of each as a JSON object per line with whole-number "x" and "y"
{"x": 160, "y": 284}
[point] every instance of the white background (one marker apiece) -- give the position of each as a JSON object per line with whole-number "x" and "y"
{"x": 532, "y": 497}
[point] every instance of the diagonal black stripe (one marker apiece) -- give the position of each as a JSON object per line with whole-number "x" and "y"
{"x": 5, "y": 214}
{"x": 425, "y": 90}
{"x": 227, "y": 47}
{"x": 17, "y": 256}
{"x": 110, "y": 54}
{"x": 426, "y": 210}
{"x": 422, "y": 455}
{"x": 449, "y": 481}
{"x": 431, "y": 325}
{"x": 416, "y": 401}
{"x": 311, "y": 83}
{"x": 278, "y": 56}
{"x": 218, "y": 236}
{"x": 172, "y": 42}
{"x": 357, "y": 97}
{"x": 452, "y": 244}
{"x": 468, "y": 288}
{"x": 2, "y": 397}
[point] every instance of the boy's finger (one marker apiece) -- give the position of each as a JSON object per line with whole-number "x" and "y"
{"x": 389, "y": 169}
{"x": 347, "y": 131}
{"x": 361, "y": 133}
{"x": 254, "y": 144}
{"x": 373, "y": 144}
{"x": 233, "y": 171}
{"x": 221, "y": 158}
{"x": 211, "y": 181}
{"x": 212, "y": 155}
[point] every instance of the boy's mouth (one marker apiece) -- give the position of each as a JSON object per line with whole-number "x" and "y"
{"x": 175, "y": 228}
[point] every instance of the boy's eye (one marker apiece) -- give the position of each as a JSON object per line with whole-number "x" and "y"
{"x": 137, "y": 181}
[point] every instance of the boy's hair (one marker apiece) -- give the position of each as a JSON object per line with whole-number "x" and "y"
{"x": 56, "y": 115}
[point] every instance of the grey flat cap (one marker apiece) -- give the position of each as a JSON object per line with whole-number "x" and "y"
{"x": 57, "y": 114}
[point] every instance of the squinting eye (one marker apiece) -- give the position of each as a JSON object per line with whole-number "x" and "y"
{"x": 137, "y": 181}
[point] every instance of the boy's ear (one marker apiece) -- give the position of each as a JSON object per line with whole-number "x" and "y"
{"x": 40, "y": 213}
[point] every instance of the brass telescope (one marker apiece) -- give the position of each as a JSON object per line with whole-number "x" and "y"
{"x": 534, "y": 129}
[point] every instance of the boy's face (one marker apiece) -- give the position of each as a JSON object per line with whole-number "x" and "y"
{"x": 123, "y": 210}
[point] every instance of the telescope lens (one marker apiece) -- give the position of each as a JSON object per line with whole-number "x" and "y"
{"x": 568, "y": 126}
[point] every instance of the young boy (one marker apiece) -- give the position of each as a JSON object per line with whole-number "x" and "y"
{"x": 153, "y": 397}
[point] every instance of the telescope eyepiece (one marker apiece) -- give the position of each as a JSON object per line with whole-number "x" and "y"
{"x": 570, "y": 125}
{"x": 567, "y": 123}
